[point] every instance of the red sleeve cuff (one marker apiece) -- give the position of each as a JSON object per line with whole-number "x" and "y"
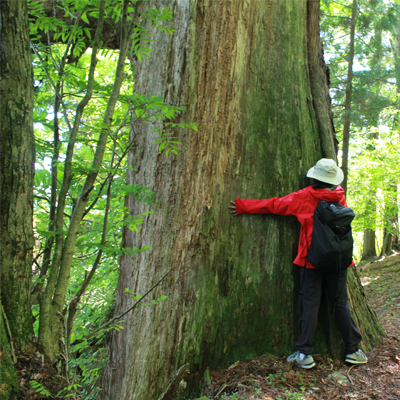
{"x": 238, "y": 206}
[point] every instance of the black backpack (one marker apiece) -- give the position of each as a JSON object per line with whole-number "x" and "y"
{"x": 331, "y": 248}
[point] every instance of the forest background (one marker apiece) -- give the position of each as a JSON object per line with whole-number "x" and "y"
{"x": 84, "y": 119}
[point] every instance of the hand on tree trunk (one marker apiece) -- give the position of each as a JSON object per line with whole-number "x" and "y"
{"x": 234, "y": 212}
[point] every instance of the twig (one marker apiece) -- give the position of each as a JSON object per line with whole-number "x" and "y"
{"x": 95, "y": 332}
{"x": 54, "y": 86}
{"x": 348, "y": 374}
{"x": 85, "y": 195}
{"x": 110, "y": 175}
{"x": 9, "y": 334}
{"x": 98, "y": 195}
{"x": 37, "y": 264}
{"x": 241, "y": 385}
{"x": 222, "y": 389}
{"x": 52, "y": 204}
{"x": 38, "y": 255}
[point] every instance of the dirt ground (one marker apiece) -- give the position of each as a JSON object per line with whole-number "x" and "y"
{"x": 269, "y": 377}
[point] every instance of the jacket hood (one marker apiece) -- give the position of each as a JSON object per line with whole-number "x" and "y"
{"x": 327, "y": 195}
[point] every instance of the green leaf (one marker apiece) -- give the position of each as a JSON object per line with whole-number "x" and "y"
{"x": 79, "y": 346}
{"x": 85, "y": 18}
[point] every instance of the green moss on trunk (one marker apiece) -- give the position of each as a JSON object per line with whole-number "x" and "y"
{"x": 17, "y": 149}
{"x": 8, "y": 377}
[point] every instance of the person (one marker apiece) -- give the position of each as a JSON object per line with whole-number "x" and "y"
{"x": 324, "y": 176}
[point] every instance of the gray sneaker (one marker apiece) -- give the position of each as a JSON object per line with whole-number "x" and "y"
{"x": 357, "y": 358}
{"x": 301, "y": 360}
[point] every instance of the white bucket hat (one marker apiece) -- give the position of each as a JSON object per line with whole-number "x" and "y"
{"x": 326, "y": 170}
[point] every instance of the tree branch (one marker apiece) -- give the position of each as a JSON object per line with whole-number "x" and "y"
{"x": 72, "y": 308}
{"x": 54, "y": 86}
{"x": 111, "y": 175}
{"x": 110, "y": 37}
{"x": 118, "y": 317}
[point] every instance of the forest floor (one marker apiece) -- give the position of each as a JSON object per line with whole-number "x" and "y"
{"x": 272, "y": 378}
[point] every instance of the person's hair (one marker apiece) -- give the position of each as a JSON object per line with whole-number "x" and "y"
{"x": 316, "y": 184}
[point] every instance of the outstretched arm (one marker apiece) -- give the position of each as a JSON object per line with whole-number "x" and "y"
{"x": 287, "y": 205}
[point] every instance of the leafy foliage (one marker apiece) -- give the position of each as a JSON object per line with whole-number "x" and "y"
{"x": 61, "y": 89}
{"x": 374, "y": 142}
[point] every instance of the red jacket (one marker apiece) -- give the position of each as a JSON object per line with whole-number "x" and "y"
{"x": 301, "y": 204}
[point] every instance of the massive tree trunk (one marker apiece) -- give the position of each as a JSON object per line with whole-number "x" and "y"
{"x": 17, "y": 157}
{"x": 243, "y": 71}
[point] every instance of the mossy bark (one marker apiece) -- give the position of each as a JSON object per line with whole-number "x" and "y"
{"x": 242, "y": 71}
{"x": 8, "y": 376}
{"x": 17, "y": 157}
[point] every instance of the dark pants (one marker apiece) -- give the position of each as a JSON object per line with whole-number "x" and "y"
{"x": 312, "y": 282}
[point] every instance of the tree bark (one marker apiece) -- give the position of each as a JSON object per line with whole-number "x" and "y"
{"x": 17, "y": 158}
{"x": 391, "y": 219}
{"x": 369, "y": 248}
{"x": 347, "y": 105}
{"x": 243, "y": 71}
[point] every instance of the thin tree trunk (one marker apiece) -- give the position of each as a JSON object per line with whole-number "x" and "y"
{"x": 391, "y": 219}
{"x": 396, "y": 53}
{"x": 347, "y": 104}
{"x": 53, "y": 296}
{"x": 369, "y": 248}
{"x": 242, "y": 70}
{"x": 17, "y": 158}
{"x": 52, "y": 301}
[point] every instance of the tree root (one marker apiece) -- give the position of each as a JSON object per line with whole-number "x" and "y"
{"x": 174, "y": 383}
{"x": 10, "y": 339}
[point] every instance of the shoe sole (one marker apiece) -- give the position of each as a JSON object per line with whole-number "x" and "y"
{"x": 305, "y": 366}
{"x": 356, "y": 362}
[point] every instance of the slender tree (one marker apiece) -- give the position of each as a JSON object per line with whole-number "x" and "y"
{"x": 369, "y": 241}
{"x": 349, "y": 88}
{"x": 253, "y": 78}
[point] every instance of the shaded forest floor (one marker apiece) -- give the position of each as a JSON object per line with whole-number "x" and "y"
{"x": 269, "y": 377}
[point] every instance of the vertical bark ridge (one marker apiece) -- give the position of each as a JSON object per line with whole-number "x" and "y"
{"x": 319, "y": 80}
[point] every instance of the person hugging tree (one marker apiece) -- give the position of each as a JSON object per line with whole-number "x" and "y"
{"x": 302, "y": 204}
